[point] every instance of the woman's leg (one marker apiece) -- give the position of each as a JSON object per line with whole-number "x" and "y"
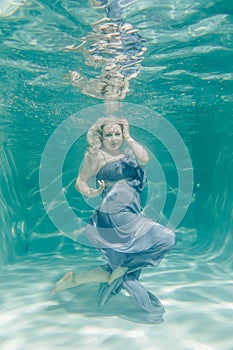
{"x": 71, "y": 280}
{"x": 118, "y": 272}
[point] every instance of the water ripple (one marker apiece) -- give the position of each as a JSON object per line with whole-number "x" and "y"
{"x": 9, "y": 7}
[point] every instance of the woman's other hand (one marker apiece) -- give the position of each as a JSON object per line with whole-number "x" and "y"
{"x": 94, "y": 192}
{"x": 102, "y": 185}
{"x": 125, "y": 130}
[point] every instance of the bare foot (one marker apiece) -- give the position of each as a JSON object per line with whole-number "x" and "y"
{"x": 64, "y": 283}
{"x": 118, "y": 272}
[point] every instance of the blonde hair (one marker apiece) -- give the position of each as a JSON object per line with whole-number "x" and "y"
{"x": 95, "y": 134}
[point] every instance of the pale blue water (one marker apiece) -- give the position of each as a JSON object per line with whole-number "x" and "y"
{"x": 187, "y": 78}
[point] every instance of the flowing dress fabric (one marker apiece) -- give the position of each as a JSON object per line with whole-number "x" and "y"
{"x": 123, "y": 235}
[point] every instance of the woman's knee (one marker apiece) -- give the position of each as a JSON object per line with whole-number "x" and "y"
{"x": 169, "y": 238}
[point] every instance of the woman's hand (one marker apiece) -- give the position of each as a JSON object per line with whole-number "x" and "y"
{"x": 125, "y": 131}
{"x": 82, "y": 187}
{"x": 139, "y": 151}
{"x": 102, "y": 185}
{"x": 93, "y": 192}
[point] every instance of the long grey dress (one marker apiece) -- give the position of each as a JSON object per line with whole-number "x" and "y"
{"x": 123, "y": 235}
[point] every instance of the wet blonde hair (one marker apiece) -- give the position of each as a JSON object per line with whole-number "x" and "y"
{"x": 95, "y": 134}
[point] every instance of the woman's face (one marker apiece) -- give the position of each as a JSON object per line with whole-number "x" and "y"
{"x": 112, "y": 138}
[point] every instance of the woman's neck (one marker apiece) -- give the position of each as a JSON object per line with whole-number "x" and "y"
{"x": 112, "y": 153}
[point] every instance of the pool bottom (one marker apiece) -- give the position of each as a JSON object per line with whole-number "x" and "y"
{"x": 197, "y": 298}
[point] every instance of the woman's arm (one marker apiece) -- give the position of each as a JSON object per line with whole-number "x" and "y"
{"x": 140, "y": 152}
{"x": 88, "y": 169}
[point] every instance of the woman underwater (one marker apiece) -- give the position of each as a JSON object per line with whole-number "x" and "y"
{"x": 128, "y": 240}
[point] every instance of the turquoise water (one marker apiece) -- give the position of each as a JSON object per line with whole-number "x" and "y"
{"x": 187, "y": 78}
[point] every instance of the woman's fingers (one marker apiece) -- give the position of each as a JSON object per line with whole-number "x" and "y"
{"x": 125, "y": 124}
{"x": 101, "y": 184}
